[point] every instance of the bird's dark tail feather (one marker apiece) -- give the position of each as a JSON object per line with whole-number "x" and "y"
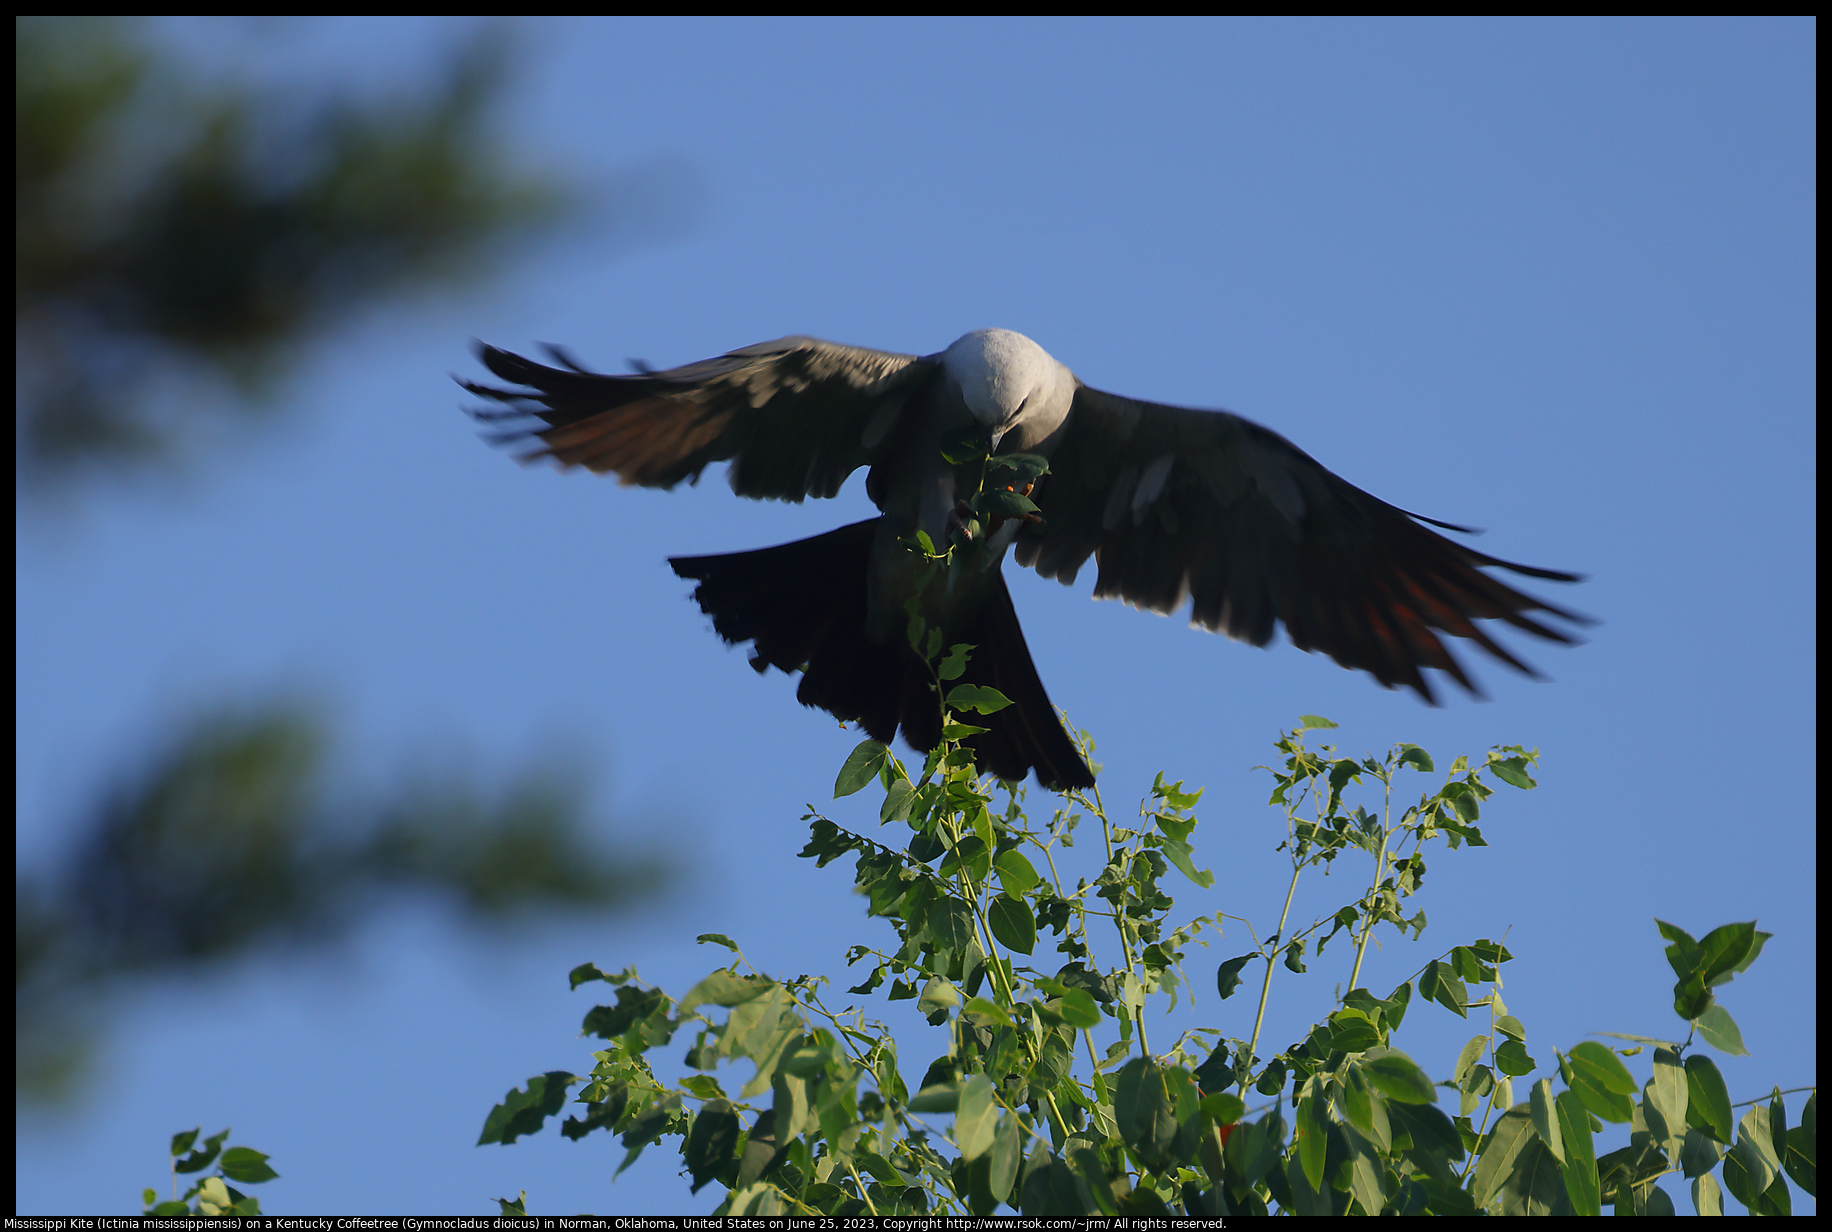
{"x": 802, "y": 607}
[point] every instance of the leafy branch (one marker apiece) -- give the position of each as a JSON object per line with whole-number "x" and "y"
{"x": 1046, "y": 1120}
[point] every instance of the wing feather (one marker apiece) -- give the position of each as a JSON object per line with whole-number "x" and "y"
{"x": 1255, "y": 533}
{"x": 794, "y": 417}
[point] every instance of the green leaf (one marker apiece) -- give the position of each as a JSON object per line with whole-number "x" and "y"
{"x": 1395, "y": 1005}
{"x": 1023, "y": 465}
{"x": 1659, "y": 1202}
{"x": 1708, "y": 1100}
{"x": 523, "y": 1112}
{"x": 937, "y": 995}
{"x": 982, "y": 1008}
{"x": 1477, "y": 1085}
{"x": 900, "y": 798}
{"x": 1312, "y": 1140}
{"x": 950, "y": 924}
{"x": 1172, "y": 826}
{"x": 1777, "y": 1124}
{"x": 1580, "y": 1163}
{"x": 999, "y": 503}
{"x": 1366, "y": 1175}
{"x": 201, "y": 1158}
{"x": 1016, "y": 874}
{"x": 1174, "y": 795}
{"x": 1801, "y": 1161}
{"x": 703, "y": 1085}
{"x": 1534, "y": 1187}
{"x": 1702, "y": 964}
{"x": 1351, "y": 1030}
{"x": 1007, "y": 1152}
{"x": 1755, "y": 952}
{"x": 762, "y": 1031}
{"x": 1752, "y": 1164}
{"x": 1722, "y": 951}
{"x": 955, "y": 663}
{"x": 1367, "y": 1114}
{"x": 725, "y": 988}
{"x": 1490, "y": 951}
{"x": 1223, "y": 1108}
{"x": 1510, "y": 1026}
{"x": 1085, "y": 1164}
{"x": 1720, "y": 1031}
{"x": 1440, "y": 983}
{"x": 1500, "y": 1153}
{"x": 862, "y": 766}
{"x": 1178, "y": 853}
{"x": 1012, "y": 923}
{"x": 1707, "y": 1198}
{"x": 1644, "y": 1040}
{"x": 1393, "y": 1073}
{"x": 1412, "y": 755}
{"x": 1469, "y": 1057}
{"x": 634, "y": 1005}
{"x": 1775, "y": 1200}
{"x": 1512, "y": 1059}
{"x": 1666, "y": 1091}
{"x": 182, "y": 1143}
{"x": 1227, "y": 976}
{"x": 921, "y": 544}
{"x": 1699, "y": 1152}
{"x": 213, "y": 1196}
{"x": 1312, "y": 722}
{"x": 1679, "y": 953}
{"x": 974, "y": 1117}
{"x": 1545, "y": 1119}
{"x": 977, "y": 697}
{"x": 1142, "y": 1109}
{"x": 1077, "y": 1009}
{"x": 712, "y": 1142}
{"x": 1513, "y": 772}
{"x": 713, "y": 939}
{"x": 1340, "y": 772}
{"x": 244, "y": 1164}
{"x": 939, "y": 1097}
{"x": 1602, "y": 1081}
{"x": 982, "y": 827}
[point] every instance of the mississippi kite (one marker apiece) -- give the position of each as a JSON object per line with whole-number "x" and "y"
{"x": 1172, "y": 504}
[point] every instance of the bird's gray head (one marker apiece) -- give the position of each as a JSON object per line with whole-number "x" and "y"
{"x": 1004, "y": 377}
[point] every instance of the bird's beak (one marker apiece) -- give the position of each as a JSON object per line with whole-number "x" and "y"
{"x": 997, "y": 434}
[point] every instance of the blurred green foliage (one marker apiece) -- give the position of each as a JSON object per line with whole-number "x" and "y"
{"x": 233, "y": 840}
{"x": 175, "y": 243}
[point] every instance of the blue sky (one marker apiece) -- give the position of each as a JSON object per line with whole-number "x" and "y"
{"x": 1551, "y": 278}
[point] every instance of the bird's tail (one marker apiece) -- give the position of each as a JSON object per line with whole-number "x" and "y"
{"x": 802, "y": 606}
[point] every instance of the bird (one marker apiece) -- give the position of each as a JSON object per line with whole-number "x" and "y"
{"x": 993, "y": 447}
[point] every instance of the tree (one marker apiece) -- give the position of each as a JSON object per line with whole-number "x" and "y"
{"x": 173, "y": 240}
{"x": 1048, "y": 1119}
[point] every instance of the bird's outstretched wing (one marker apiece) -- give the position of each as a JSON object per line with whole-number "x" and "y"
{"x": 795, "y": 416}
{"x": 1179, "y": 504}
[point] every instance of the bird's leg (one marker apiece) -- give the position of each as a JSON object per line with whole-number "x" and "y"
{"x": 961, "y": 521}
